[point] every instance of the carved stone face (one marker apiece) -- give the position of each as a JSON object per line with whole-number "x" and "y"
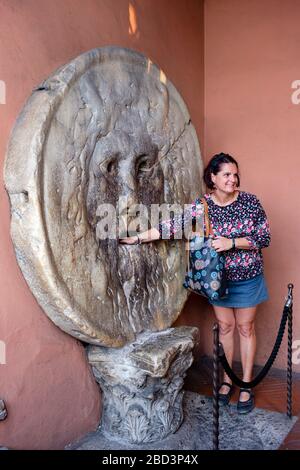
{"x": 126, "y": 166}
{"x": 106, "y": 126}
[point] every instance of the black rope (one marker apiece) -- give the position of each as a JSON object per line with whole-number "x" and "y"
{"x": 286, "y": 311}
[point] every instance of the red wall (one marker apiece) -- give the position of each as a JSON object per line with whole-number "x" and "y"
{"x": 49, "y": 390}
{"x": 251, "y": 60}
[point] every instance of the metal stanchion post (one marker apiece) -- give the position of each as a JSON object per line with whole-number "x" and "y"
{"x": 216, "y": 388}
{"x": 289, "y": 304}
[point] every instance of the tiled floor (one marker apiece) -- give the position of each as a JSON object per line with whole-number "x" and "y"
{"x": 270, "y": 394}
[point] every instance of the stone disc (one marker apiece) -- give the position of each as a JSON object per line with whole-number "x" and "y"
{"x": 108, "y": 125}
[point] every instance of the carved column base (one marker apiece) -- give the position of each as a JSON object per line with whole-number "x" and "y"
{"x": 142, "y": 384}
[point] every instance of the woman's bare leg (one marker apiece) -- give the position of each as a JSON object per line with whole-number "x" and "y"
{"x": 226, "y": 320}
{"x": 245, "y": 318}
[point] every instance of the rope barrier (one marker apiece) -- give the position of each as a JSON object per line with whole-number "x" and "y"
{"x": 285, "y": 314}
{"x": 219, "y": 355}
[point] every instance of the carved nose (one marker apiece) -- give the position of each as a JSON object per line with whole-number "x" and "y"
{"x": 128, "y": 198}
{"x": 127, "y": 181}
{"x": 128, "y": 190}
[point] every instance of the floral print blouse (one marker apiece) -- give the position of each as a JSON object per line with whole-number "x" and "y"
{"x": 243, "y": 218}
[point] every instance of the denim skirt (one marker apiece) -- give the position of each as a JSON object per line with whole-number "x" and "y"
{"x": 243, "y": 294}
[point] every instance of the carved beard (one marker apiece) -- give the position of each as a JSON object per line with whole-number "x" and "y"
{"x": 134, "y": 275}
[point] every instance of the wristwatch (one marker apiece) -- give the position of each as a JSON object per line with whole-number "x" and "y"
{"x": 233, "y": 243}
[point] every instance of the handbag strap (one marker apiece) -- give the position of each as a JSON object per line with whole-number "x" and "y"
{"x": 208, "y": 227}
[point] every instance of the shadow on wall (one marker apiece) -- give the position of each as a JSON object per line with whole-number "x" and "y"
{"x": 195, "y": 312}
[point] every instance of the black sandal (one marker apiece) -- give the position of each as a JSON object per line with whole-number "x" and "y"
{"x": 224, "y": 398}
{"x": 244, "y": 407}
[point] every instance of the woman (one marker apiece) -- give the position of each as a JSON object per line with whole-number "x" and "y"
{"x": 241, "y": 230}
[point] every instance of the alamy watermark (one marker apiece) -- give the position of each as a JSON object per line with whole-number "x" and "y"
{"x": 123, "y": 221}
{"x": 295, "y": 97}
{"x": 2, "y": 92}
{"x": 296, "y": 352}
{"x": 2, "y": 352}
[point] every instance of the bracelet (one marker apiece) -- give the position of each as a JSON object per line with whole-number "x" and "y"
{"x": 233, "y": 243}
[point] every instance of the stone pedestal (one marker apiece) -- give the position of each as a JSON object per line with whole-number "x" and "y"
{"x": 142, "y": 384}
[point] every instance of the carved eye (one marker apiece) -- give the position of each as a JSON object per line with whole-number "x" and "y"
{"x": 109, "y": 166}
{"x": 144, "y": 165}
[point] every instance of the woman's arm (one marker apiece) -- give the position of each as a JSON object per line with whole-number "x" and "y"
{"x": 177, "y": 226}
{"x": 144, "y": 237}
{"x": 225, "y": 244}
{"x": 259, "y": 236}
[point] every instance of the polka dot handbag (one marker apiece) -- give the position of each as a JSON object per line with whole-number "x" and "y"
{"x": 206, "y": 268}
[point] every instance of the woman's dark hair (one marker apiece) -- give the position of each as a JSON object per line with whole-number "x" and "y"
{"x": 214, "y": 166}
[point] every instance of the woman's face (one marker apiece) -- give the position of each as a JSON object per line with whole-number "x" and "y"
{"x": 226, "y": 179}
